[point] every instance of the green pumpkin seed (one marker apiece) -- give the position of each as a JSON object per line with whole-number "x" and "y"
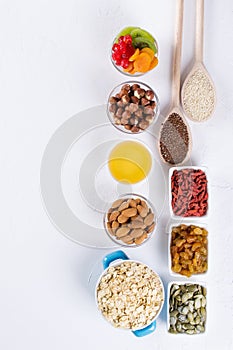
{"x": 186, "y": 296}
{"x": 174, "y": 313}
{"x": 190, "y": 317}
{"x": 172, "y": 321}
{"x": 203, "y": 302}
{"x": 172, "y": 330}
{"x": 185, "y": 310}
{"x": 198, "y": 303}
{"x": 190, "y": 331}
{"x": 182, "y": 318}
{"x": 200, "y": 328}
{"x": 203, "y": 311}
{"x": 192, "y": 288}
{"x": 197, "y": 320}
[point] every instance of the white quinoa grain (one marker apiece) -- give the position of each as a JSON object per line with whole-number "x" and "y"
{"x": 198, "y": 96}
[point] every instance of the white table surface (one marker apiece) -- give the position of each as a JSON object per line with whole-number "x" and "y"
{"x": 54, "y": 63}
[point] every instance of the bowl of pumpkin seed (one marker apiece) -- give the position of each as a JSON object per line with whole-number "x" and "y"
{"x": 186, "y": 308}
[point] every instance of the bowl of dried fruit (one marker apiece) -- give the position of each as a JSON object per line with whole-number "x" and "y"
{"x": 129, "y": 294}
{"x": 134, "y": 51}
{"x": 131, "y": 220}
{"x": 188, "y": 249}
{"x": 189, "y": 195}
{"x": 132, "y": 107}
{"x": 186, "y": 308}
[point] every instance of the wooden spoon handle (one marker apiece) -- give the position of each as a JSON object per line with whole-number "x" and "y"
{"x": 177, "y": 54}
{"x": 199, "y": 30}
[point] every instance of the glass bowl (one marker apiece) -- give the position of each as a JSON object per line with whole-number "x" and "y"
{"x": 133, "y": 107}
{"x": 128, "y": 51}
{"x": 131, "y": 220}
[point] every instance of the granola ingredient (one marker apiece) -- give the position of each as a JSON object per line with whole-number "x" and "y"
{"x": 198, "y": 96}
{"x": 187, "y": 308}
{"x": 133, "y": 107}
{"x": 174, "y": 140}
{"x": 129, "y": 162}
{"x": 189, "y": 192}
{"x": 189, "y": 250}
{"x": 133, "y": 224}
{"x": 130, "y": 295}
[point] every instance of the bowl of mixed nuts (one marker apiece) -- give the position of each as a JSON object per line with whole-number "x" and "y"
{"x": 129, "y": 294}
{"x": 132, "y": 107}
{"x": 186, "y": 308}
{"x": 188, "y": 249}
{"x": 131, "y": 220}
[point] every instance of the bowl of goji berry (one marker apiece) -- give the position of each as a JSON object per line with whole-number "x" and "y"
{"x": 189, "y": 195}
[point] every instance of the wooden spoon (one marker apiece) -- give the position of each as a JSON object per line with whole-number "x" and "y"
{"x": 198, "y": 97}
{"x": 168, "y": 149}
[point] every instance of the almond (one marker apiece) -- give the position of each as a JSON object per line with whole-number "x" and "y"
{"x": 129, "y": 212}
{"x": 149, "y": 219}
{"x": 122, "y": 231}
{"x": 132, "y": 203}
{"x": 137, "y": 224}
{"x": 151, "y": 228}
{"x": 121, "y": 219}
{"x": 139, "y": 240}
{"x": 114, "y": 215}
{"x": 142, "y": 211}
{"x": 117, "y": 203}
{"x": 137, "y": 233}
{"x": 115, "y": 224}
{"x": 127, "y": 239}
{"x": 124, "y": 205}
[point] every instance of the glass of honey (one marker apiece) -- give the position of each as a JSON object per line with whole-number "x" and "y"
{"x": 129, "y": 162}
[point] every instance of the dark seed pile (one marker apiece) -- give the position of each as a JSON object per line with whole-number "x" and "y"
{"x": 174, "y": 139}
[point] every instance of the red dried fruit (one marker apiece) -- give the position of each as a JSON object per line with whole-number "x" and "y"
{"x": 189, "y": 192}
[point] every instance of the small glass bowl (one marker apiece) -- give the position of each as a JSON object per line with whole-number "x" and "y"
{"x": 133, "y": 107}
{"x": 131, "y": 220}
{"x": 121, "y": 69}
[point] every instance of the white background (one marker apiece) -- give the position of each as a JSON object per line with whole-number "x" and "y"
{"x": 54, "y": 62}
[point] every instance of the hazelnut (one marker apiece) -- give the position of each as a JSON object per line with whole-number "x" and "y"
{"x": 149, "y": 118}
{"x": 139, "y": 113}
{"x": 125, "y": 98}
{"x": 132, "y": 121}
{"x": 149, "y": 95}
{"x": 135, "y": 129}
{"x": 133, "y": 107}
{"x": 120, "y": 104}
{"x": 148, "y": 110}
{"x": 117, "y": 121}
{"x": 118, "y": 97}
{"x": 134, "y": 99}
{"x": 113, "y": 100}
{"x": 126, "y": 87}
{"x": 153, "y": 104}
{"x": 139, "y": 93}
{"x": 143, "y": 124}
{"x": 127, "y": 127}
{"x": 144, "y": 101}
{"x": 124, "y": 121}
{"x": 126, "y": 114}
{"x": 123, "y": 92}
{"x": 134, "y": 87}
{"x": 112, "y": 108}
{"x": 119, "y": 112}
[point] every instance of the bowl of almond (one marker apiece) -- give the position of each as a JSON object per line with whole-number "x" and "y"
{"x": 131, "y": 220}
